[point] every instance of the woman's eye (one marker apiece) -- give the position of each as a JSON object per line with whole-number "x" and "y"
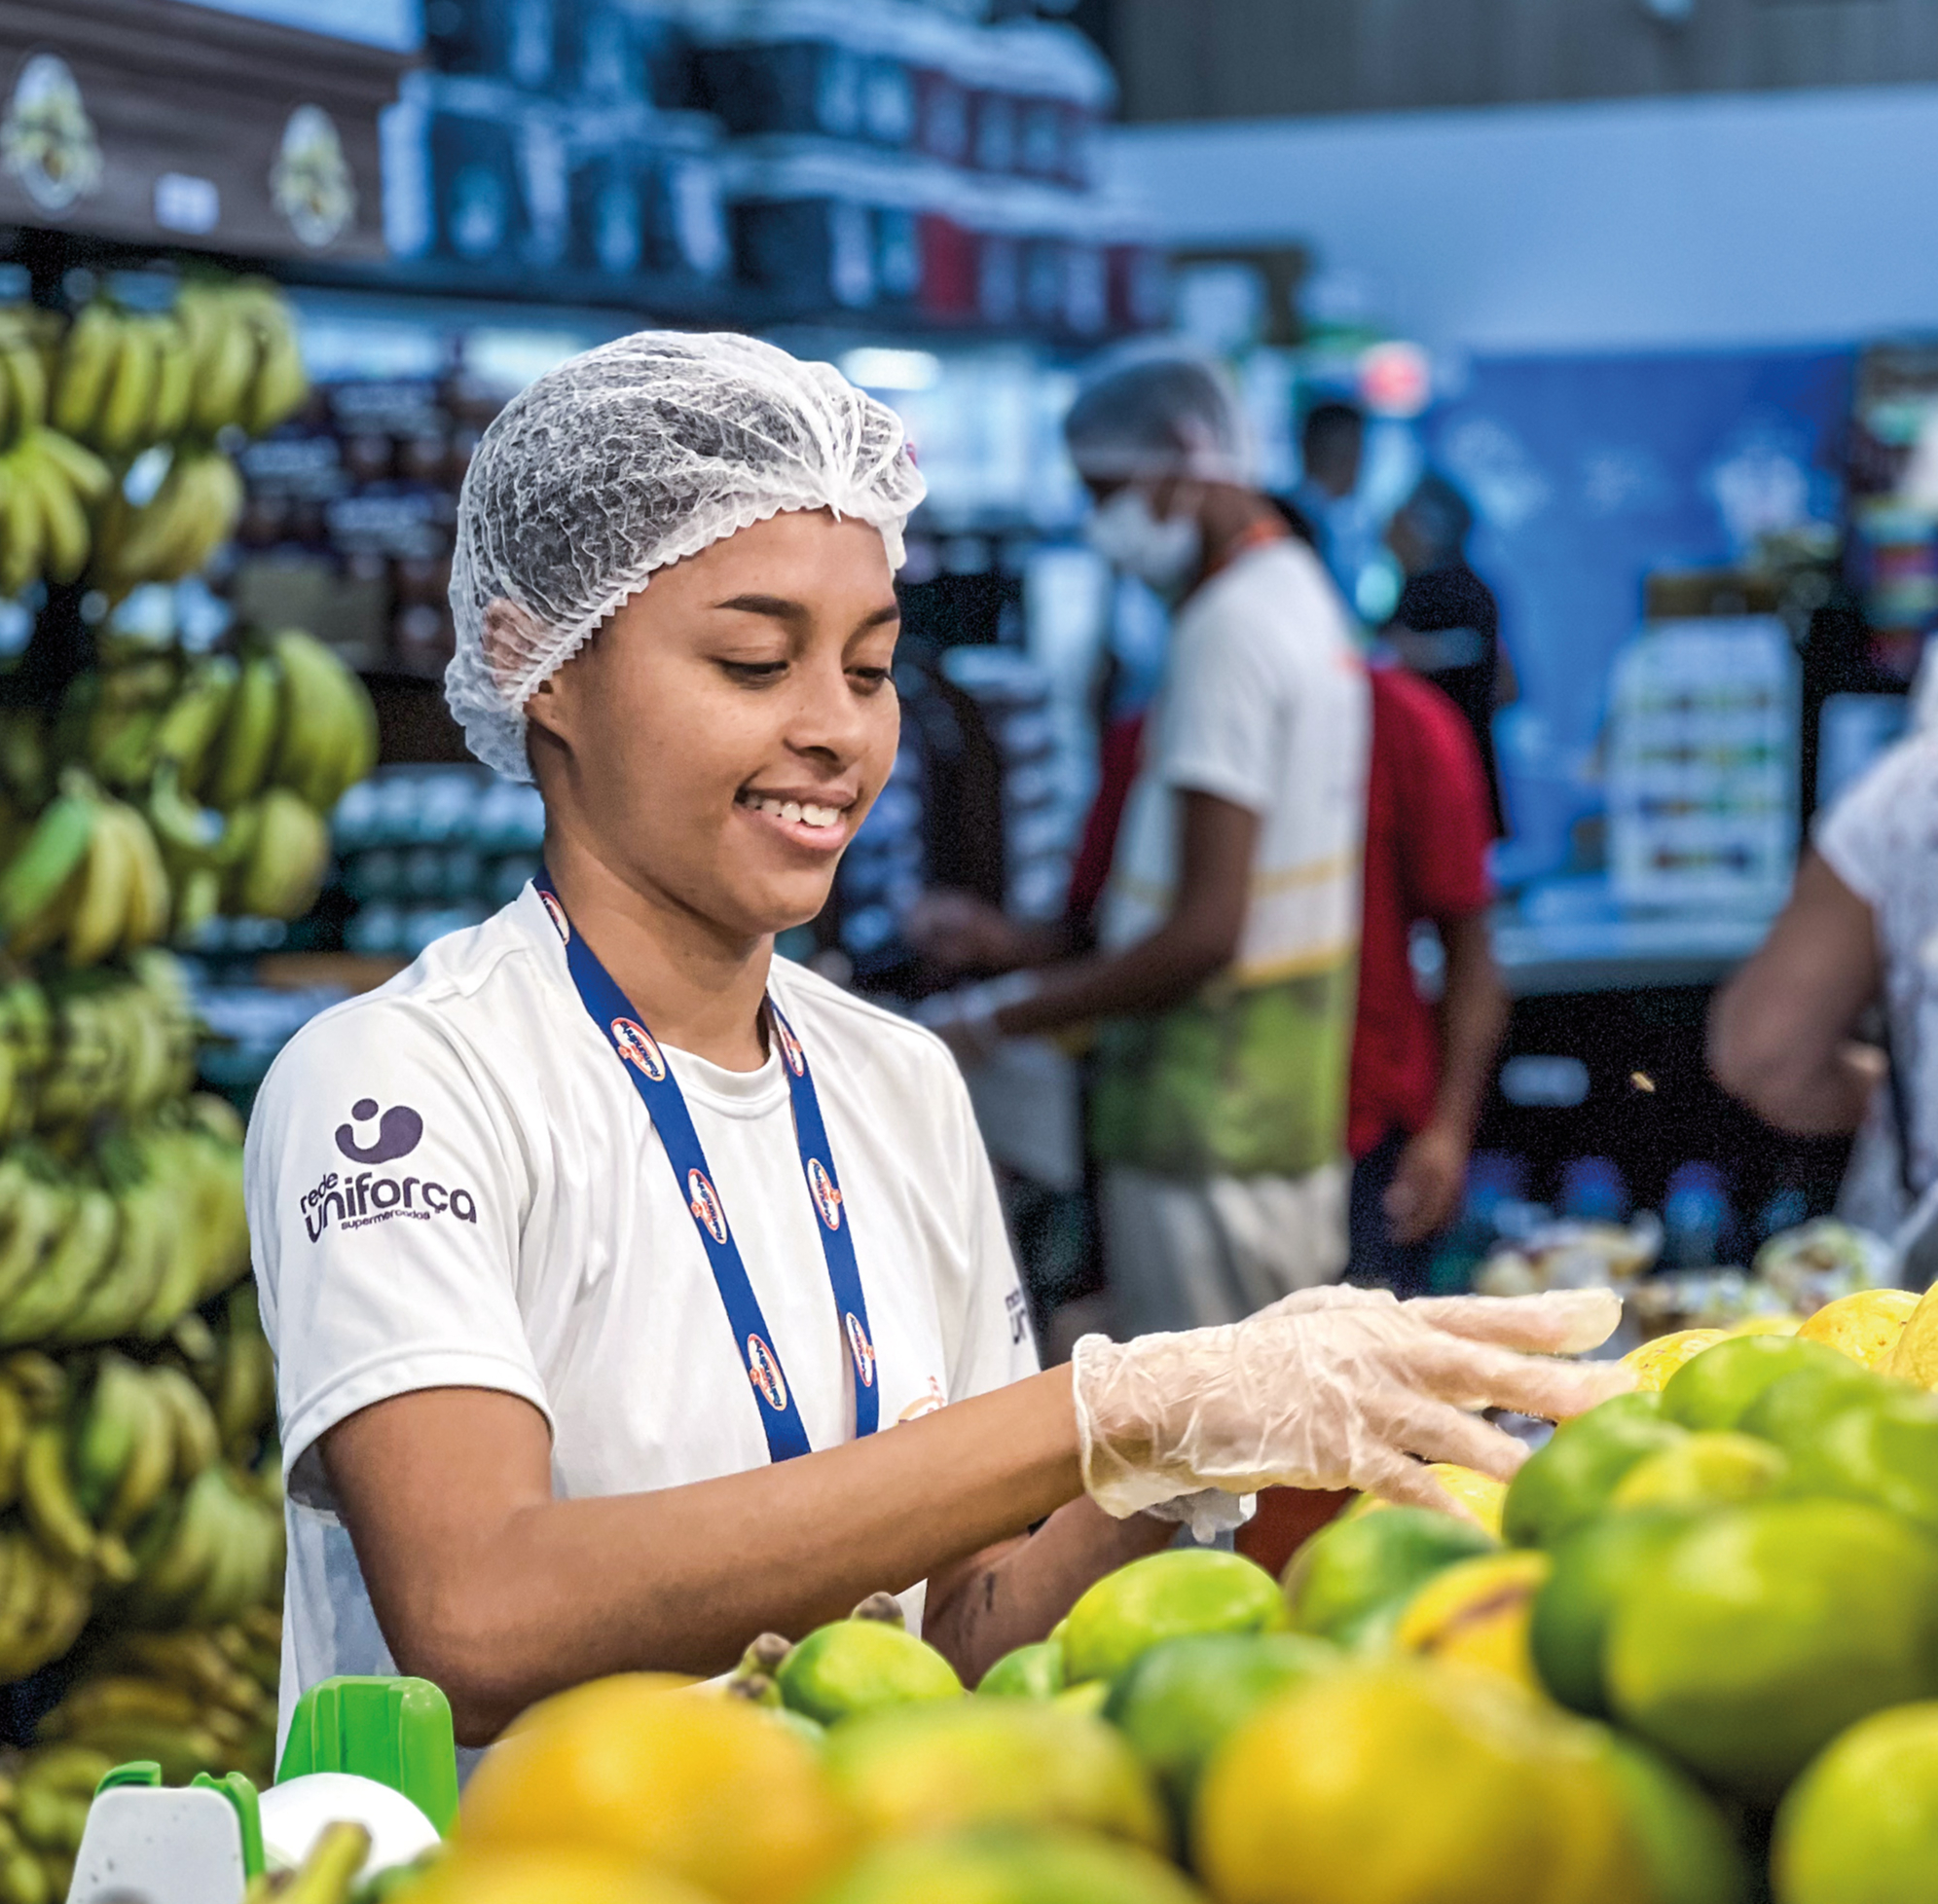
{"x": 756, "y": 670}
{"x": 869, "y": 678}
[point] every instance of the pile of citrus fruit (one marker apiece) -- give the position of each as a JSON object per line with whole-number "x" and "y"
{"x": 1689, "y": 1656}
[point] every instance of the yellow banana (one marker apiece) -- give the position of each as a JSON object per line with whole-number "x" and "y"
{"x": 21, "y": 525}
{"x": 248, "y": 736}
{"x": 197, "y": 1441}
{"x": 13, "y": 1440}
{"x": 40, "y": 1214}
{"x": 86, "y": 362}
{"x": 174, "y": 381}
{"x": 121, "y": 426}
{"x": 227, "y": 368}
{"x": 150, "y": 903}
{"x": 85, "y": 1252}
{"x": 87, "y": 474}
{"x": 281, "y": 385}
{"x": 47, "y": 1497}
{"x": 26, "y": 384}
{"x": 285, "y": 871}
{"x": 64, "y": 533}
{"x": 107, "y": 890}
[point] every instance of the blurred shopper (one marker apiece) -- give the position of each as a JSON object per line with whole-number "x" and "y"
{"x": 1230, "y": 921}
{"x": 1448, "y": 625}
{"x": 1332, "y": 445}
{"x": 1419, "y": 1073}
{"x": 1860, "y": 930}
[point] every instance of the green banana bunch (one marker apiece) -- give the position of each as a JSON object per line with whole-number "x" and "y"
{"x": 40, "y": 883}
{"x": 109, "y": 720}
{"x": 287, "y": 857}
{"x": 239, "y": 762}
{"x": 125, "y": 378}
{"x": 244, "y": 1392}
{"x": 327, "y": 733}
{"x": 48, "y": 485}
{"x": 248, "y": 364}
{"x": 29, "y": 341}
{"x": 192, "y": 513}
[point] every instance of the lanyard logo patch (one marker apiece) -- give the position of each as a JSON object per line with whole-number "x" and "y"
{"x": 791, "y": 1047}
{"x": 763, "y": 1370}
{"x": 827, "y": 1197}
{"x": 637, "y": 1047}
{"x": 556, "y": 913}
{"x": 705, "y": 1203}
{"x": 861, "y": 1348}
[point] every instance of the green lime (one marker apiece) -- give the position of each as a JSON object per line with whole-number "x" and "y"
{"x": 1568, "y": 1482}
{"x": 1594, "y": 1569}
{"x": 1689, "y": 1850}
{"x": 1791, "y": 1412}
{"x": 993, "y": 1762}
{"x": 1351, "y": 1573}
{"x": 1180, "y": 1700}
{"x": 853, "y": 1665}
{"x": 1010, "y": 1867}
{"x": 1708, "y": 1469}
{"x": 1716, "y": 1388}
{"x": 1886, "y": 1452}
{"x": 1185, "y": 1590}
{"x": 1029, "y": 1672}
{"x": 1861, "y": 1825}
{"x": 1086, "y": 1697}
{"x": 1763, "y": 1631}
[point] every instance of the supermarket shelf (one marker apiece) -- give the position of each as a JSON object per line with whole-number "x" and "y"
{"x": 1629, "y": 953}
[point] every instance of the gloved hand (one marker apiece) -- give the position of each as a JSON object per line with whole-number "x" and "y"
{"x": 1331, "y": 1388}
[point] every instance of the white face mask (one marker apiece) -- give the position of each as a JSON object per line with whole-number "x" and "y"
{"x": 1162, "y": 555}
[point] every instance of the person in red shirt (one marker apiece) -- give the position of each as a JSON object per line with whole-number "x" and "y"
{"x": 1420, "y": 1073}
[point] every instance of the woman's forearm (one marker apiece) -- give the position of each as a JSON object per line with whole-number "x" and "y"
{"x": 501, "y": 1594}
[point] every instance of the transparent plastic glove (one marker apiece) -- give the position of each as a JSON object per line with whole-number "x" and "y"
{"x": 1334, "y": 1388}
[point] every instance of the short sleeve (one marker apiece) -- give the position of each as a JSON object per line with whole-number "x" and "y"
{"x": 1223, "y": 715}
{"x": 1447, "y": 819}
{"x": 997, "y": 1345}
{"x": 387, "y": 1187}
{"x": 1855, "y": 836}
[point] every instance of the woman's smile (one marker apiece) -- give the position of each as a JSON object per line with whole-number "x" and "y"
{"x": 815, "y": 820}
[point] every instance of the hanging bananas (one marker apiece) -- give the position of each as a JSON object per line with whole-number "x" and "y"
{"x": 227, "y": 356}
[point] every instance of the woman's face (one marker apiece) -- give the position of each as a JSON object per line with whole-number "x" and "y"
{"x": 721, "y": 738}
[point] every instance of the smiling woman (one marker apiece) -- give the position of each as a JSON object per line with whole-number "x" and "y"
{"x": 597, "y": 1385}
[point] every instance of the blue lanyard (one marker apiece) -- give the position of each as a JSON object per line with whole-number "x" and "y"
{"x": 666, "y": 1104}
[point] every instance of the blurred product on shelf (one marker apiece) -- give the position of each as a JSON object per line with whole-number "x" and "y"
{"x": 426, "y": 851}
{"x": 825, "y": 156}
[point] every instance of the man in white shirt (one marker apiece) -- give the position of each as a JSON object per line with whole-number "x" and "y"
{"x": 1229, "y": 926}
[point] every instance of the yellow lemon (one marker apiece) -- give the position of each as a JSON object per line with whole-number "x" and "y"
{"x": 709, "y": 1790}
{"x": 1481, "y": 1495}
{"x": 907, "y": 1771}
{"x": 1916, "y": 1356}
{"x": 1477, "y": 1614}
{"x": 1865, "y": 1326}
{"x": 1503, "y": 1804}
{"x": 544, "y": 1877}
{"x": 1656, "y": 1361}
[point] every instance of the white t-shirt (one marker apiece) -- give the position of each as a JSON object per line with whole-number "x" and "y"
{"x": 1264, "y": 704}
{"x": 1882, "y": 840}
{"x": 453, "y": 1182}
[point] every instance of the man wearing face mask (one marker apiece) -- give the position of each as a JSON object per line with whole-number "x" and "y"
{"x": 1227, "y": 932}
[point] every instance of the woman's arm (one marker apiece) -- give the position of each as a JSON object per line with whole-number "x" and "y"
{"x": 1782, "y": 1032}
{"x": 487, "y": 1585}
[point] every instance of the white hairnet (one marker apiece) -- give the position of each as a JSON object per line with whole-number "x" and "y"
{"x": 627, "y": 458}
{"x": 1153, "y": 413}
